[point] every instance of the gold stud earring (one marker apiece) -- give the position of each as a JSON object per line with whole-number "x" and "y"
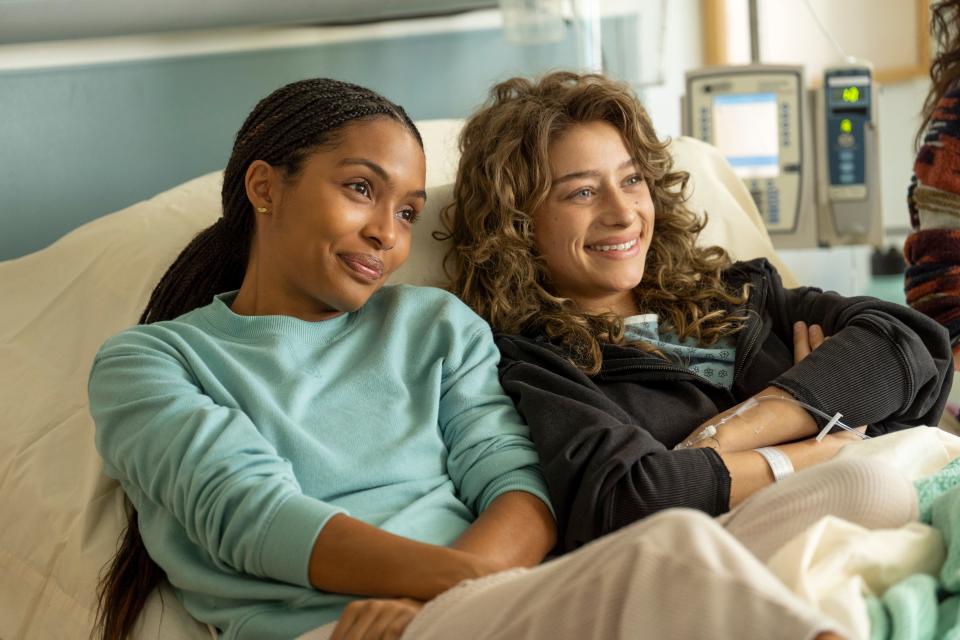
{"x": 261, "y": 209}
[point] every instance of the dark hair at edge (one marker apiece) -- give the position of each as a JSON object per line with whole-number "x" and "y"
{"x": 282, "y": 130}
{"x": 945, "y": 68}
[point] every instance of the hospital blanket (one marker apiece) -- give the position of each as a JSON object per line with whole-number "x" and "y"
{"x": 923, "y": 607}
{"x": 888, "y": 583}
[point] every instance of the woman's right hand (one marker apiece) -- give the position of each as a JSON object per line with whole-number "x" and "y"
{"x": 376, "y": 619}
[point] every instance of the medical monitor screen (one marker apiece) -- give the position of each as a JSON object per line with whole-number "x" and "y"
{"x": 745, "y": 131}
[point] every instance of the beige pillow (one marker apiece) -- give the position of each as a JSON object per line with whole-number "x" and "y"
{"x": 734, "y": 222}
{"x": 61, "y": 516}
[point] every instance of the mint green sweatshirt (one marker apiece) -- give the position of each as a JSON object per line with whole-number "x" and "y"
{"x": 238, "y": 437}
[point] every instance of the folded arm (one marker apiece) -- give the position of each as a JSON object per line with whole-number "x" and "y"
{"x": 351, "y": 556}
{"x": 604, "y": 468}
{"x": 885, "y": 365}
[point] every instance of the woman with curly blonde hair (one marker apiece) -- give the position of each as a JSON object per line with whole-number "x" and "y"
{"x": 653, "y": 372}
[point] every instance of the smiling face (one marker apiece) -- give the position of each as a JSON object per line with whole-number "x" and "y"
{"x": 594, "y": 229}
{"x": 332, "y": 234}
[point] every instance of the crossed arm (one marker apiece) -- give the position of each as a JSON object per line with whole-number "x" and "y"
{"x": 794, "y": 434}
{"x": 350, "y": 556}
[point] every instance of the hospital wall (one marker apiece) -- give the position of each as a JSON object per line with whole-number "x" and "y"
{"x": 82, "y": 139}
{"x": 79, "y": 140}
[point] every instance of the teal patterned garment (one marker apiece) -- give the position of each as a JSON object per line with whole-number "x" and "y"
{"x": 714, "y": 364}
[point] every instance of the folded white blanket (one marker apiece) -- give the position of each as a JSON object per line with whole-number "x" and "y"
{"x": 834, "y": 564}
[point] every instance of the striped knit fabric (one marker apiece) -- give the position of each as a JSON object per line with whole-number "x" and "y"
{"x": 932, "y": 251}
{"x": 933, "y": 276}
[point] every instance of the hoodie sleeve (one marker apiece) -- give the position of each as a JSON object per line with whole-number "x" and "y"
{"x": 885, "y": 365}
{"x": 604, "y": 470}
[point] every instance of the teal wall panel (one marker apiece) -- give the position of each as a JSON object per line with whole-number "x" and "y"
{"x": 79, "y": 142}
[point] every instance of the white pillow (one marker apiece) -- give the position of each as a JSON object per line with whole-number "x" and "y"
{"x": 61, "y": 516}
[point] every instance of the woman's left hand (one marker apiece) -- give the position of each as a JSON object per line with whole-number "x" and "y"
{"x": 376, "y": 619}
{"x": 806, "y": 339}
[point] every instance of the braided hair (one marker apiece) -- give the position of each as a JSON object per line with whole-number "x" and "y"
{"x": 282, "y": 130}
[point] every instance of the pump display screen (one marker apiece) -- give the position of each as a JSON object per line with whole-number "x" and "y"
{"x": 852, "y": 95}
{"x": 745, "y": 131}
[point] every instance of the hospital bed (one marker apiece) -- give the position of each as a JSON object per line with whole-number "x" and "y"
{"x": 60, "y": 517}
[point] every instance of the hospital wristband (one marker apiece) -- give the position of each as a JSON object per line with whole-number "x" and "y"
{"x": 779, "y": 463}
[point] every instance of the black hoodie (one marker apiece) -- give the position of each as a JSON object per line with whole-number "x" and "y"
{"x": 606, "y": 441}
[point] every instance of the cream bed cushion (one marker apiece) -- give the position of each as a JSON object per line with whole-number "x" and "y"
{"x": 60, "y": 516}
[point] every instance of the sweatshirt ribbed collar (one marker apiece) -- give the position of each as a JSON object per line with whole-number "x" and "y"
{"x": 219, "y": 315}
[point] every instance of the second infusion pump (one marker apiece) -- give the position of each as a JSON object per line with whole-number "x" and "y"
{"x": 758, "y": 116}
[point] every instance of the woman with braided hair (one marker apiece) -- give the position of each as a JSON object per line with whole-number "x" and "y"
{"x": 307, "y": 451}
{"x": 932, "y": 251}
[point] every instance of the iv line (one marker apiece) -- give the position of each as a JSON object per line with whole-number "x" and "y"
{"x": 847, "y": 57}
{"x": 710, "y": 431}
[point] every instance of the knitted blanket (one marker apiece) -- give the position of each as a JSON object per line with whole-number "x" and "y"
{"x": 921, "y": 606}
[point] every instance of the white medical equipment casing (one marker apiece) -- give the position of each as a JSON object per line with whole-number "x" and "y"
{"x": 848, "y": 176}
{"x": 756, "y": 115}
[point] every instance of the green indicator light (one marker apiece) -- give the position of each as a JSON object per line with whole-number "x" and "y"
{"x": 846, "y": 126}
{"x": 851, "y": 94}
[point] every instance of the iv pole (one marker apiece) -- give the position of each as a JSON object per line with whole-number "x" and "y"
{"x": 752, "y": 10}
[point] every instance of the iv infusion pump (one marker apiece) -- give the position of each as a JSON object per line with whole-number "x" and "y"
{"x": 808, "y": 159}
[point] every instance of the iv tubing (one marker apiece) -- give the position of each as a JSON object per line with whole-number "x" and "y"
{"x": 710, "y": 431}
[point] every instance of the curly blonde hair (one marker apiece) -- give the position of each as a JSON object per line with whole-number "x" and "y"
{"x": 504, "y": 177}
